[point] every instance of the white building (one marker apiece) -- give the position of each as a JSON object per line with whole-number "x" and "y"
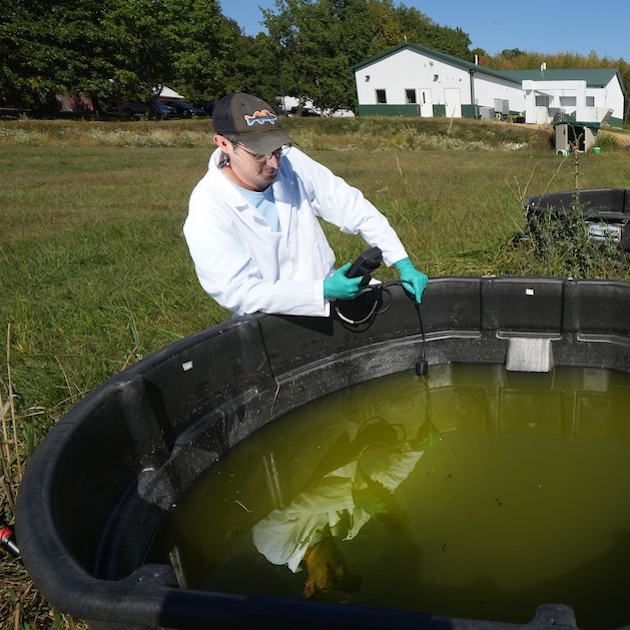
{"x": 410, "y": 80}
{"x": 585, "y": 94}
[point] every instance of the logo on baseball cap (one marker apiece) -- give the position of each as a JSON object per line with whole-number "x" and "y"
{"x": 251, "y": 121}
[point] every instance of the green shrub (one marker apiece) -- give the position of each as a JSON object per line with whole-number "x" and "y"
{"x": 558, "y": 245}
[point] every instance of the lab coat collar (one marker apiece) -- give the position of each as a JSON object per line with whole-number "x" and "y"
{"x": 237, "y": 201}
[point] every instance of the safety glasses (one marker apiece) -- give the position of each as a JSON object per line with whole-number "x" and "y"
{"x": 261, "y": 158}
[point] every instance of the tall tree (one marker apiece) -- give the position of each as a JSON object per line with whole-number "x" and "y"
{"x": 320, "y": 40}
{"x": 201, "y": 41}
{"x": 61, "y": 46}
{"x": 317, "y": 42}
{"x": 114, "y": 47}
{"x": 421, "y": 29}
{"x": 142, "y": 58}
{"x": 254, "y": 67}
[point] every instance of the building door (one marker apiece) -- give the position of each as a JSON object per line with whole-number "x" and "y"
{"x": 425, "y": 101}
{"x": 453, "y": 102}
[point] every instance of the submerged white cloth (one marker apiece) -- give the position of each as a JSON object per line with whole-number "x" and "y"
{"x": 247, "y": 267}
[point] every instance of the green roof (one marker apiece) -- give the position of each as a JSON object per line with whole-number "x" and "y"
{"x": 594, "y": 77}
{"x": 456, "y": 61}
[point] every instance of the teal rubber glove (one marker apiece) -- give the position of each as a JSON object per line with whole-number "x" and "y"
{"x": 414, "y": 281}
{"x": 340, "y": 287}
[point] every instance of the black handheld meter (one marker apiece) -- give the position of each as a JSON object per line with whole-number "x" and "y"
{"x": 365, "y": 264}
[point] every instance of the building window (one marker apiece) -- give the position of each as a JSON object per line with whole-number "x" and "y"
{"x": 568, "y": 101}
{"x": 411, "y": 96}
{"x": 380, "y": 96}
{"x": 590, "y": 101}
{"x": 542, "y": 100}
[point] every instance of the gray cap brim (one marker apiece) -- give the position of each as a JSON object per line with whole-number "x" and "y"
{"x": 265, "y": 141}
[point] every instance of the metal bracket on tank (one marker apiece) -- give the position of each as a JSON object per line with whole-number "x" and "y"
{"x": 526, "y": 354}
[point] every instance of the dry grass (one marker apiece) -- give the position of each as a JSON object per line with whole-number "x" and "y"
{"x": 21, "y": 605}
{"x": 55, "y": 133}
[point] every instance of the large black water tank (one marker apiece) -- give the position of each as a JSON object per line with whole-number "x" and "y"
{"x": 101, "y": 482}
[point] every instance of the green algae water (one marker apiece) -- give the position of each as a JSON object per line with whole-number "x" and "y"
{"x": 471, "y": 492}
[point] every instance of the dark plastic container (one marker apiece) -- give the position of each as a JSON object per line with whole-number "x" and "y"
{"x": 101, "y": 482}
{"x": 606, "y": 211}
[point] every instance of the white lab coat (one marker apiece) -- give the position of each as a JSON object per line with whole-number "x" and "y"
{"x": 248, "y": 268}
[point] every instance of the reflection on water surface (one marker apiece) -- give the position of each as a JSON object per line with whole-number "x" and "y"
{"x": 471, "y": 492}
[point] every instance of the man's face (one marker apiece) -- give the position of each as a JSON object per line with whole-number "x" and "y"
{"x": 322, "y": 577}
{"x": 251, "y": 171}
{"x": 326, "y": 567}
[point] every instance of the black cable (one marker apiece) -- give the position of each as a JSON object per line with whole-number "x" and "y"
{"x": 422, "y": 365}
{"x": 369, "y": 318}
{"x": 364, "y": 323}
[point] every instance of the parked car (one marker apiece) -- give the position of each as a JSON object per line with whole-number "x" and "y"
{"x": 186, "y": 110}
{"x": 303, "y": 111}
{"x": 130, "y": 109}
{"x": 159, "y": 110}
{"x": 207, "y": 106}
{"x": 281, "y": 111}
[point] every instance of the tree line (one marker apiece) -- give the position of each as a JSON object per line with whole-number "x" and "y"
{"x": 111, "y": 49}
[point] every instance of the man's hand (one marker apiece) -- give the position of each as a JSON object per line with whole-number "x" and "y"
{"x": 340, "y": 287}
{"x": 413, "y": 281}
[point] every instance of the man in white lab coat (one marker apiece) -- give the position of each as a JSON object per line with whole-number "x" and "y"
{"x": 252, "y": 226}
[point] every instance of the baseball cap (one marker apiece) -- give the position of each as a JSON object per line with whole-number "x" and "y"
{"x": 250, "y": 121}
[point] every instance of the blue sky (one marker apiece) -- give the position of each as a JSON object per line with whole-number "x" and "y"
{"x": 578, "y": 26}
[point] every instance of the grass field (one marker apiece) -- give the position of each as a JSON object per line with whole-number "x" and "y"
{"x": 95, "y": 272}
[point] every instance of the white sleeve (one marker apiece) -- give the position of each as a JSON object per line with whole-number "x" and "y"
{"x": 345, "y": 206}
